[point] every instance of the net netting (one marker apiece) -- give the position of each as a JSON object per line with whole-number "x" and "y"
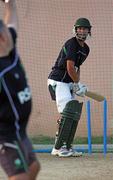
{"x": 44, "y": 26}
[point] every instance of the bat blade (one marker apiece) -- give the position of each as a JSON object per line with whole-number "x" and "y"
{"x": 95, "y": 96}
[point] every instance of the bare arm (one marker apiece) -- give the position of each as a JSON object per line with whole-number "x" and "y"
{"x": 11, "y": 18}
{"x": 75, "y": 75}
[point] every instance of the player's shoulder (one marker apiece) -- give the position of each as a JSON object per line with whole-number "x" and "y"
{"x": 71, "y": 41}
{"x": 87, "y": 47}
{"x": 12, "y": 30}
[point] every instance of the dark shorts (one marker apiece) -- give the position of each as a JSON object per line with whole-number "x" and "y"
{"x": 15, "y": 158}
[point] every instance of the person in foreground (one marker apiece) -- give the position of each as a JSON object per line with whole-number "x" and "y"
{"x": 16, "y": 156}
{"x": 64, "y": 84}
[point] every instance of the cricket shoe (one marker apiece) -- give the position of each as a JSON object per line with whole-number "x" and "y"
{"x": 75, "y": 153}
{"x": 62, "y": 152}
{"x": 55, "y": 152}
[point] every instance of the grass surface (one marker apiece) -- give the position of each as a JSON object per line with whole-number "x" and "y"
{"x": 78, "y": 140}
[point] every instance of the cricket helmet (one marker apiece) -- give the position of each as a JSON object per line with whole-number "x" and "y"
{"x": 82, "y": 22}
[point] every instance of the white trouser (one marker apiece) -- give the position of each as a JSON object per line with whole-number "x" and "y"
{"x": 62, "y": 92}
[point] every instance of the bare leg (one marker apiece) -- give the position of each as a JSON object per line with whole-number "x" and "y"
{"x": 31, "y": 175}
{"x": 34, "y": 170}
{"x": 21, "y": 176}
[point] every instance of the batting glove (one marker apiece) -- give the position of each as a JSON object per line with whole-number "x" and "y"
{"x": 75, "y": 87}
{"x": 82, "y": 90}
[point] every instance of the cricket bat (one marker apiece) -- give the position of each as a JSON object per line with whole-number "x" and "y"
{"x": 95, "y": 96}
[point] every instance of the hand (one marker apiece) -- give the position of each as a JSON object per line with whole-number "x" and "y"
{"x": 82, "y": 90}
{"x": 5, "y": 1}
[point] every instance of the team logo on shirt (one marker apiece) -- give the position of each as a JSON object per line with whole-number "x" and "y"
{"x": 24, "y": 95}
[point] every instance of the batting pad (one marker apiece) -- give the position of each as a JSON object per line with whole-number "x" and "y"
{"x": 69, "y": 120}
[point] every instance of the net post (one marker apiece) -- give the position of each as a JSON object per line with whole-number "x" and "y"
{"x": 105, "y": 127}
{"x": 88, "y": 111}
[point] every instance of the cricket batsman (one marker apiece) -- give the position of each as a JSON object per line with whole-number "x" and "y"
{"x": 64, "y": 84}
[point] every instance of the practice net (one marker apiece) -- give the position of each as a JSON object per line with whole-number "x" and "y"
{"x": 44, "y": 26}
